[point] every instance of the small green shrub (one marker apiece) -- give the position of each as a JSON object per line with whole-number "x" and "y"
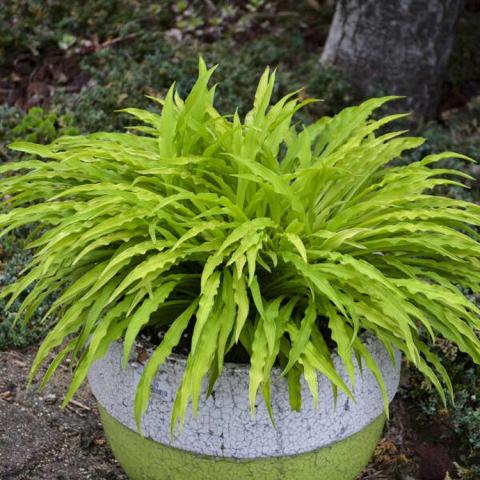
{"x": 13, "y": 259}
{"x": 9, "y": 117}
{"x": 36, "y": 26}
{"x": 463, "y": 416}
{"x": 460, "y": 131}
{"x": 124, "y": 76}
{"x": 465, "y": 412}
{"x": 256, "y": 232}
{"x": 43, "y": 127}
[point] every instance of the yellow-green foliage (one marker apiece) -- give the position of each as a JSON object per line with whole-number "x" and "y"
{"x": 255, "y": 231}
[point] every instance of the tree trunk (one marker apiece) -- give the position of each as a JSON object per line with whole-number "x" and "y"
{"x": 394, "y": 47}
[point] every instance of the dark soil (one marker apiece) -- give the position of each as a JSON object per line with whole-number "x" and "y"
{"x": 152, "y": 338}
{"x": 40, "y": 441}
{"x": 237, "y": 354}
{"x": 31, "y": 81}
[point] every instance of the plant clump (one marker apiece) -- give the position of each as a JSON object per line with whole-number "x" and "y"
{"x": 253, "y": 231}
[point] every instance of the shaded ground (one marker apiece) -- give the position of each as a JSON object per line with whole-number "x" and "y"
{"x": 39, "y": 441}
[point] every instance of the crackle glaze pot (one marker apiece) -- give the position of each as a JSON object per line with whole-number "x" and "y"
{"x": 333, "y": 442}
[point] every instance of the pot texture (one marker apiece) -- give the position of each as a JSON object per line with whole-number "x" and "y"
{"x": 332, "y": 442}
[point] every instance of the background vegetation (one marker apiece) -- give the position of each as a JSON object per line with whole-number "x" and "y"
{"x": 65, "y": 68}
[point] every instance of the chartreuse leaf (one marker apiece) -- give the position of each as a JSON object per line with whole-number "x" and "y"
{"x": 198, "y": 364}
{"x": 206, "y": 305}
{"x": 142, "y": 316}
{"x": 169, "y": 342}
{"x": 242, "y": 302}
{"x": 258, "y": 359}
{"x": 94, "y": 314}
{"x": 311, "y": 377}
{"x": 256, "y": 234}
{"x": 342, "y": 336}
{"x": 297, "y": 242}
{"x": 59, "y": 358}
{"x": 302, "y": 336}
{"x": 228, "y": 316}
{"x": 295, "y": 389}
{"x": 102, "y": 337}
{"x": 72, "y": 322}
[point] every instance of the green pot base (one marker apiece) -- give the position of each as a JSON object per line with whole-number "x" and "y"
{"x": 144, "y": 459}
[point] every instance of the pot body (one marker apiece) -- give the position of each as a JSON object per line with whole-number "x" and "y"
{"x": 332, "y": 442}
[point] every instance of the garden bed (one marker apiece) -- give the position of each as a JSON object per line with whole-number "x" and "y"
{"x": 40, "y": 441}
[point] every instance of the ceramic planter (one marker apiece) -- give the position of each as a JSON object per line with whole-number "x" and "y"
{"x": 223, "y": 441}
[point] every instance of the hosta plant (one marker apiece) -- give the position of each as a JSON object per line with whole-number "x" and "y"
{"x": 285, "y": 241}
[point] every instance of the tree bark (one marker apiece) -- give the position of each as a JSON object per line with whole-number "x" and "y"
{"x": 394, "y": 47}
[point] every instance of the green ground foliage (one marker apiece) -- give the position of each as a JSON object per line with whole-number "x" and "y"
{"x": 12, "y": 260}
{"x": 80, "y": 60}
{"x": 39, "y": 126}
{"x": 460, "y": 422}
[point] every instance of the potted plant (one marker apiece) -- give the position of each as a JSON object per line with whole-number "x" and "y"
{"x": 202, "y": 262}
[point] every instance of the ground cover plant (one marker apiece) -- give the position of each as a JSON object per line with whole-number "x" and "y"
{"x": 285, "y": 240}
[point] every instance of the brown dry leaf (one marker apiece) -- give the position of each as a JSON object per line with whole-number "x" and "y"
{"x": 443, "y": 412}
{"x": 7, "y": 396}
{"x": 142, "y": 355}
{"x": 100, "y": 441}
